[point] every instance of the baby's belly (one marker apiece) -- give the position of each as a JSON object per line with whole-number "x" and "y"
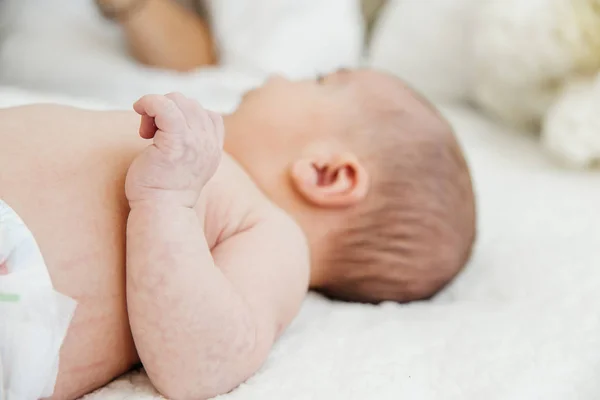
{"x": 63, "y": 172}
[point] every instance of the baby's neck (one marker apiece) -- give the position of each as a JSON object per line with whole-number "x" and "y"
{"x": 274, "y": 184}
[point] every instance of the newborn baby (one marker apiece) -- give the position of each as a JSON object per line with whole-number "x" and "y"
{"x": 351, "y": 185}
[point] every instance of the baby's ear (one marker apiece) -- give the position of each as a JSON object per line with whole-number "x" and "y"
{"x": 331, "y": 181}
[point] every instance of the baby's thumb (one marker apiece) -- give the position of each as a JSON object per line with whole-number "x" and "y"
{"x": 147, "y": 127}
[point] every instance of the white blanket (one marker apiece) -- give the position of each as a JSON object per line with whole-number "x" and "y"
{"x": 521, "y": 322}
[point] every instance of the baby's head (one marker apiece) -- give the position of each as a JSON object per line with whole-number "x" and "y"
{"x": 373, "y": 175}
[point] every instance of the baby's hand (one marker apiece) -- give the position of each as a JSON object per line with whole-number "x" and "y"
{"x": 188, "y": 142}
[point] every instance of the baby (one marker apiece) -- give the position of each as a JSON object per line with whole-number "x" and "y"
{"x": 193, "y": 260}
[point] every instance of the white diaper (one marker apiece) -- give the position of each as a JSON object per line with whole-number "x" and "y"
{"x": 33, "y": 317}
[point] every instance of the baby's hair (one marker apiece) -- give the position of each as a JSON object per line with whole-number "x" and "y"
{"x": 415, "y": 230}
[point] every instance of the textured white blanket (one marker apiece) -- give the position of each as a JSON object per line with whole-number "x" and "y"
{"x": 522, "y": 321}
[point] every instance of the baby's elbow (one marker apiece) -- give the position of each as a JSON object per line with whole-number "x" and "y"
{"x": 213, "y": 385}
{"x": 202, "y": 388}
{"x": 221, "y": 375}
{"x": 175, "y": 391}
{"x": 242, "y": 364}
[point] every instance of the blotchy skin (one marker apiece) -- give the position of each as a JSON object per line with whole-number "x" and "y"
{"x": 63, "y": 171}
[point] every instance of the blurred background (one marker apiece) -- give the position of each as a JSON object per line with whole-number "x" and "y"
{"x": 530, "y": 65}
{"x": 116, "y": 50}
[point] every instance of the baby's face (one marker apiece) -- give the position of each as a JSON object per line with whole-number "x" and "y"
{"x": 287, "y": 113}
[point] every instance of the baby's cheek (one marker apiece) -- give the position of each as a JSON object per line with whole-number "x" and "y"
{"x": 3, "y": 268}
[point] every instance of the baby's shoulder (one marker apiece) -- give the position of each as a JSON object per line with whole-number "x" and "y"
{"x": 232, "y": 203}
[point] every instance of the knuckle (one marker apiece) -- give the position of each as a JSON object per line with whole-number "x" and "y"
{"x": 196, "y": 106}
{"x": 169, "y": 106}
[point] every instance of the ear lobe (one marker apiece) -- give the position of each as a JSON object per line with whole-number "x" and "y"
{"x": 333, "y": 182}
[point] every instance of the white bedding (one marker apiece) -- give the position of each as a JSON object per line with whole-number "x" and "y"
{"x": 521, "y": 322}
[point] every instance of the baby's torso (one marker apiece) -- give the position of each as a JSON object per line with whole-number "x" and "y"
{"x": 63, "y": 170}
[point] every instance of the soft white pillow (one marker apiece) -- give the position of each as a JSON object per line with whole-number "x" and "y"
{"x": 425, "y": 43}
{"x": 295, "y": 38}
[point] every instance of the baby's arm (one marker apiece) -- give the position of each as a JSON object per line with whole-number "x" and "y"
{"x": 200, "y": 330}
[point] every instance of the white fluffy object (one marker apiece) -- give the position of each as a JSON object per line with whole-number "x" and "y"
{"x": 535, "y": 64}
{"x": 426, "y": 43}
{"x": 531, "y": 64}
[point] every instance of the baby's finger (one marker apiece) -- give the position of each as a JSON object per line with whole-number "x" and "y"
{"x": 147, "y": 127}
{"x": 219, "y": 126}
{"x": 191, "y": 109}
{"x": 196, "y": 116}
{"x": 167, "y": 116}
{"x": 178, "y": 98}
{"x": 140, "y": 105}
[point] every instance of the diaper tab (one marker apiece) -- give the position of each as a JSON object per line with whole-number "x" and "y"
{"x": 9, "y": 297}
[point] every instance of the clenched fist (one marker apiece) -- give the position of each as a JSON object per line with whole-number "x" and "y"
{"x": 186, "y": 150}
